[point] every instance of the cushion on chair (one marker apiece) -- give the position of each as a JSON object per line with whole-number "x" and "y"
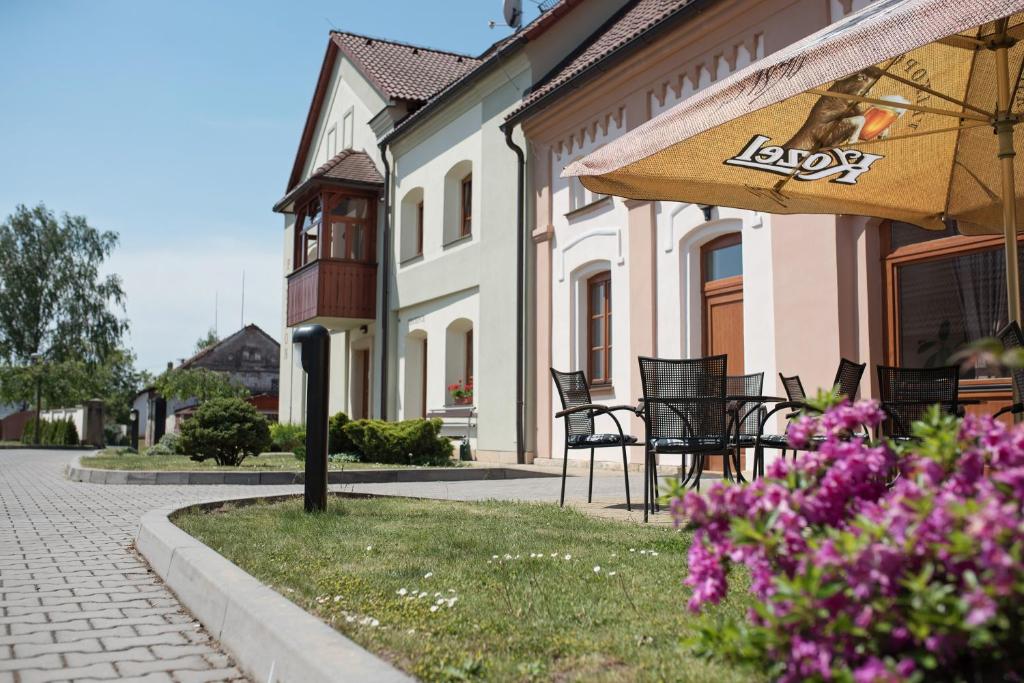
{"x": 598, "y": 440}
{"x": 775, "y": 441}
{"x": 686, "y": 445}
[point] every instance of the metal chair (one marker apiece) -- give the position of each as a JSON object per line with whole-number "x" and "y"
{"x": 684, "y": 409}
{"x": 907, "y": 393}
{"x": 579, "y": 411}
{"x": 846, "y": 383}
{"x": 746, "y": 416}
{"x": 1013, "y": 338}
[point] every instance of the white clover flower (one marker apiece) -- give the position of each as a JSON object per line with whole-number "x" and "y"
{"x": 451, "y": 590}
{"x": 423, "y": 594}
{"x": 494, "y": 557}
{"x": 374, "y": 623}
{"x": 437, "y": 595}
{"x": 643, "y": 552}
{"x": 611, "y": 573}
{"x": 452, "y": 601}
{"x": 349, "y": 618}
{"x": 402, "y": 591}
{"x": 568, "y": 557}
{"x": 428, "y": 575}
{"x": 615, "y": 554}
{"x": 369, "y": 548}
{"x": 433, "y": 608}
{"x": 337, "y": 598}
{"x": 654, "y": 554}
{"x": 507, "y": 556}
{"x": 632, "y": 550}
{"x": 554, "y": 554}
{"x": 411, "y": 631}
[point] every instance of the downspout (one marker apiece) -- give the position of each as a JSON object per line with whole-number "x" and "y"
{"x": 520, "y": 299}
{"x": 385, "y": 288}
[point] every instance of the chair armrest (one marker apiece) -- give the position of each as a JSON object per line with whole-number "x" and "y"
{"x": 1016, "y": 409}
{"x": 785, "y": 405}
{"x": 595, "y": 408}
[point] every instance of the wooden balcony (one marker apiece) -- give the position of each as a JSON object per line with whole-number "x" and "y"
{"x": 338, "y": 294}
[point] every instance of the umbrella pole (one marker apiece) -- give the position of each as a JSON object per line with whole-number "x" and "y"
{"x": 1004, "y": 129}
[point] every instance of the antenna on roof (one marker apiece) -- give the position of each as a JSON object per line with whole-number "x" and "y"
{"x": 513, "y": 13}
{"x": 243, "y": 298}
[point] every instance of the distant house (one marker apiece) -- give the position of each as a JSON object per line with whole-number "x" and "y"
{"x": 250, "y": 357}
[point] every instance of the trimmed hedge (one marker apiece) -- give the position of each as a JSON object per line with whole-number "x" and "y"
{"x": 410, "y": 442}
{"x": 286, "y": 437}
{"x": 51, "y": 433}
{"x": 337, "y": 440}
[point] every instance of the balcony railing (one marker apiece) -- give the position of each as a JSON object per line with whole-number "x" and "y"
{"x": 343, "y": 291}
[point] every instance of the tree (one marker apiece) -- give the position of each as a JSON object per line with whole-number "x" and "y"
{"x": 198, "y": 383}
{"x": 207, "y": 341}
{"x": 59, "y": 317}
{"x": 53, "y": 301}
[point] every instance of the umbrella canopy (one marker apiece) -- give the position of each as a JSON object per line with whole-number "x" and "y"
{"x": 907, "y": 110}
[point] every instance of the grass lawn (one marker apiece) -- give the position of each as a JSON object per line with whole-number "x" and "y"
{"x": 112, "y": 459}
{"x": 492, "y": 591}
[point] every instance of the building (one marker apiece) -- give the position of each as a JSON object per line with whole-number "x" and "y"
{"x": 403, "y": 148}
{"x": 249, "y": 357}
{"x": 618, "y": 279}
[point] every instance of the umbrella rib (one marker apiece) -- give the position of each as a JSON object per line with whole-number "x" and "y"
{"x": 936, "y": 93}
{"x": 914, "y": 135}
{"x": 911, "y": 107}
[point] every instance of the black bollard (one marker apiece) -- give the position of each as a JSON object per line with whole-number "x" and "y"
{"x": 314, "y": 342}
{"x": 133, "y": 431}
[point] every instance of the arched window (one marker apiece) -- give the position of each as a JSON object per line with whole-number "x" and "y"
{"x": 599, "y": 328}
{"x": 411, "y": 240}
{"x": 458, "y": 202}
{"x": 459, "y": 361}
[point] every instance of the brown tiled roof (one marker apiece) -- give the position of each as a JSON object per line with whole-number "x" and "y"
{"x": 635, "y": 19}
{"x": 400, "y": 70}
{"x": 350, "y": 165}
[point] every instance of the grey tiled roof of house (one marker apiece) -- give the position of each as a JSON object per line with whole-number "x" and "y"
{"x": 403, "y": 71}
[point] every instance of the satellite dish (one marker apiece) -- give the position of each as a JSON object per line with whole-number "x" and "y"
{"x": 514, "y": 13}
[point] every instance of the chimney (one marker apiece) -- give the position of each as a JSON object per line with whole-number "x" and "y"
{"x": 170, "y": 365}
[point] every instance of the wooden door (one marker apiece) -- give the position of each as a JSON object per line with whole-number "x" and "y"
{"x": 722, "y": 312}
{"x": 364, "y": 383}
{"x": 423, "y": 379}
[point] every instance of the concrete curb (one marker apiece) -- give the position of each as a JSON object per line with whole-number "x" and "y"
{"x": 271, "y": 638}
{"x": 76, "y": 472}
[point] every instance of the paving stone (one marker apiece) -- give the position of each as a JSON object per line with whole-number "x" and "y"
{"x": 32, "y": 649}
{"x": 102, "y": 671}
{"x": 134, "y": 654}
{"x": 208, "y": 676}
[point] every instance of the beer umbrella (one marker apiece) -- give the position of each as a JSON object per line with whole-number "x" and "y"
{"x": 907, "y": 110}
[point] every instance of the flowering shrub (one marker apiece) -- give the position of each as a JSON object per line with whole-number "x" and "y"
{"x": 859, "y": 577}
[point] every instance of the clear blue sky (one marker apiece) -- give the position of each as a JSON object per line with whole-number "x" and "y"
{"x": 175, "y": 124}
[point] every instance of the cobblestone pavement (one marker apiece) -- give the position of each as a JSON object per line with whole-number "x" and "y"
{"x": 77, "y": 603}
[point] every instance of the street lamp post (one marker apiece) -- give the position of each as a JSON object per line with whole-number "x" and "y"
{"x": 36, "y": 370}
{"x": 133, "y": 434}
{"x": 312, "y": 351}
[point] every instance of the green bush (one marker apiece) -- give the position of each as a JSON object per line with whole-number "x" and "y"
{"x": 169, "y": 444}
{"x": 51, "y": 433}
{"x": 228, "y": 430}
{"x": 285, "y": 437}
{"x": 411, "y": 442}
{"x": 337, "y": 440}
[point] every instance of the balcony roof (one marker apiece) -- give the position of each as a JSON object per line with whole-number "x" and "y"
{"x": 350, "y": 168}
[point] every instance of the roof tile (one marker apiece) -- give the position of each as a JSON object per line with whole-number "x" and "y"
{"x": 350, "y": 165}
{"x": 403, "y": 71}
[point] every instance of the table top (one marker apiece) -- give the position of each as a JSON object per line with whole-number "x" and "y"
{"x": 745, "y": 398}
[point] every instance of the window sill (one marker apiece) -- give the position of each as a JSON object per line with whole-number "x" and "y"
{"x": 602, "y": 390}
{"x": 415, "y": 258}
{"x": 457, "y": 241}
{"x": 589, "y": 208}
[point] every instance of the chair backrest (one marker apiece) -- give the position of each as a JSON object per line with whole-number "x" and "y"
{"x": 1013, "y": 338}
{"x": 794, "y": 387}
{"x": 746, "y": 385}
{"x": 848, "y": 378}
{"x": 574, "y": 391}
{"x": 685, "y": 398}
{"x": 906, "y": 393}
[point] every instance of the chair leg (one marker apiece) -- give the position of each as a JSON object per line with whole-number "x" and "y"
{"x": 625, "y": 473}
{"x": 647, "y": 490}
{"x": 590, "y": 488}
{"x": 654, "y": 483}
{"x": 565, "y": 470}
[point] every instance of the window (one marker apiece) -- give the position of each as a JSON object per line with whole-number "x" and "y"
{"x": 943, "y": 290}
{"x": 419, "y": 228}
{"x": 599, "y": 330}
{"x": 469, "y": 357}
{"x": 348, "y": 129}
{"x": 580, "y": 196}
{"x": 466, "y": 224}
{"x": 723, "y": 257}
{"x": 332, "y": 142}
{"x": 307, "y": 234}
{"x": 350, "y": 225}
